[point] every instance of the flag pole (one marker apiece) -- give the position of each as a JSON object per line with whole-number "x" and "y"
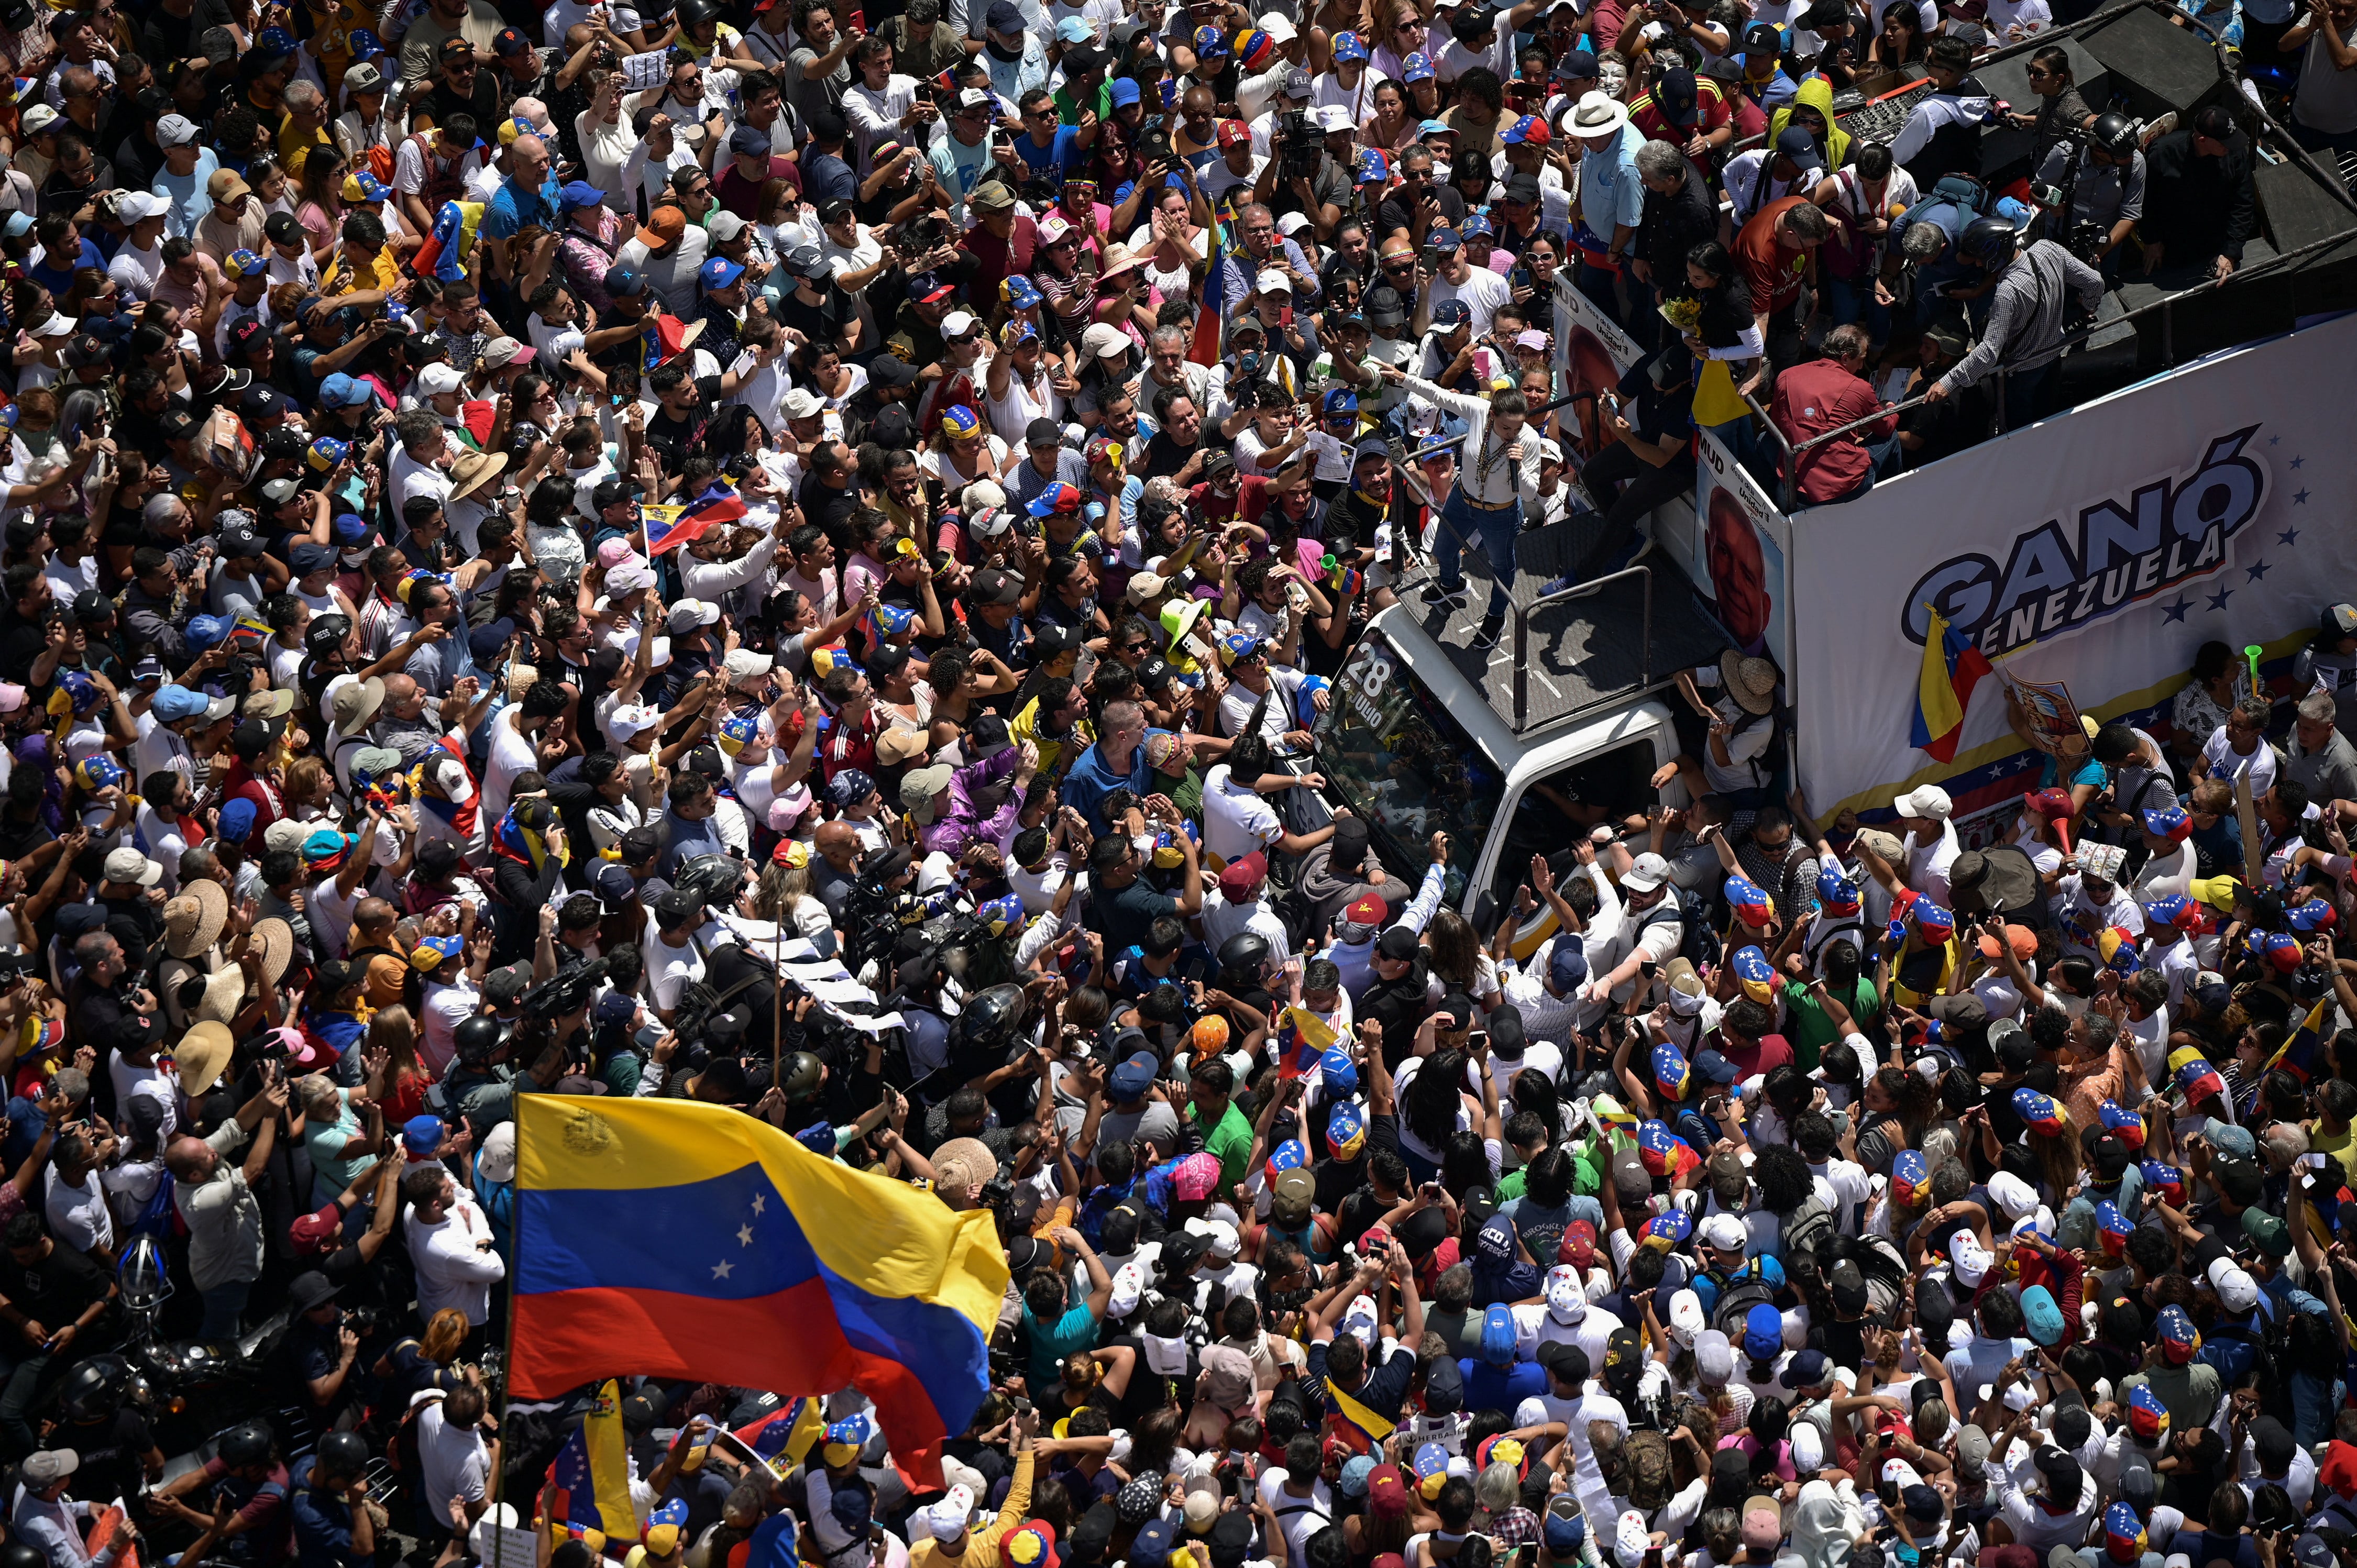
{"x": 507, "y": 1365}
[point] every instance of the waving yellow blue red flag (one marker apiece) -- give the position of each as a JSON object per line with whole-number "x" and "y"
{"x": 676, "y": 1240}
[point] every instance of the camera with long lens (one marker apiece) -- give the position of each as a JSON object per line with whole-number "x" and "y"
{"x": 1299, "y": 144}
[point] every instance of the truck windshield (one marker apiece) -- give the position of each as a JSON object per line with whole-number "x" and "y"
{"x": 1390, "y": 748}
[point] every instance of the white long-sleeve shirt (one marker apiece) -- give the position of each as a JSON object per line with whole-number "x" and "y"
{"x": 722, "y": 581}
{"x": 451, "y": 1269}
{"x": 51, "y": 1527}
{"x": 1486, "y": 475}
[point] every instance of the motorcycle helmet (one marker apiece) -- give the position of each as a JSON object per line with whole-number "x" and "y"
{"x": 991, "y": 1017}
{"x": 94, "y": 1388}
{"x": 2115, "y": 134}
{"x": 141, "y": 1276}
{"x": 475, "y": 1040}
{"x": 16, "y": 1554}
{"x": 803, "y": 1076}
{"x": 697, "y": 13}
{"x": 1990, "y": 243}
{"x": 245, "y": 1443}
{"x": 342, "y": 1453}
{"x": 1245, "y": 953}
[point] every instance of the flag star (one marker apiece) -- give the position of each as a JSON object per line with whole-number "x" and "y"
{"x": 2272, "y": 439}
{"x": 760, "y": 1202}
{"x": 2288, "y": 536}
{"x": 2177, "y": 611}
{"x": 2257, "y": 569}
{"x": 2296, "y": 462}
{"x": 2299, "y": 498}
{"x": 721, "y": 1271}
{"x": 744, "y": 1235}
{"x": 2218, "y": 600}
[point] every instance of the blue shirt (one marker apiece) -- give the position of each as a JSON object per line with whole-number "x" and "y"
{"x": 1610, "y": 194}
{"x": 512, "y": 206}
{"x": 1092, "y": 778}
{"x": 323, "y": 1521}
{"x": 1063, "y": 155}
{"x": 1493, "y": 1388}
{"x": 829, "y": 178}
{"x": 59, "y": 280}
{"x": 185, "y": 192}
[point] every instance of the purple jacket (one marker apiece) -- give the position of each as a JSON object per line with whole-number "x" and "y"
{"x": 964, "y": 824}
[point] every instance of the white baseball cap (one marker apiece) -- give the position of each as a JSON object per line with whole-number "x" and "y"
{"x": 452, "y": 779}
{"x": 1647, "y": 871}
{"x": 632, "y": 719}
{"x": 176, "y": 130}
{"x": 130, "y": 867}
{"x": 1926, "y": 800}
{"x": 437, "y": 379}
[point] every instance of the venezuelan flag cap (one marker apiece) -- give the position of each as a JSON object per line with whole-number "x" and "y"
{"x": 1431, "y": 1469}
{"x": 2122, "y": 1531}
{"x": 2179, "y": 1339}
{"x": 1032, "y": 1546}
{"x": 1910, "y": 1178}
{"x": 2195, "y": 1077}
{"x": 1758, "y": 975}
{"x": 2041, "y": 1112}
{"x": 1288, "y": 1156}
{"x": 2176, "y": 911}
{"x": 1933, "y": 921}
{"x": 1663, "y": 1152}
{"x": 1670, "y": 1072}
{"x": 1340, "y": 1073}
{"x": 1664, "y": 1232}
{"x": 1346, "y": 1131}
{"x": 1836, "y": 893}
{"x": 2114, "y": 1226}
{"x": 2147, "y": 1417}
{"x": 2316, "y": 915}
{"x": 845, "y": 1439}
{"x": 1750, "y": 900}
{"x": 2165, "y": 1182}
{"x": 2117, "y": 948}
{"x": 2278, "y": 950}
{"x": 2122, "y": 1123}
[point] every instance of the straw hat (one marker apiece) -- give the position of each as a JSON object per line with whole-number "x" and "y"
{"x": 520, "y": 679}
{"x": 225, "y": 995}
{"x": 202, "y": 1053}
{"x": 1750, "y": 681}
{"x": 473, "y": 470}
{"x": 275, "y": 939}
{"x": 193, "y": 920}
{"x": 1118, "y": 258}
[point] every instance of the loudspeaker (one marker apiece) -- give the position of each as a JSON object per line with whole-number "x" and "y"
{"x": 2299, "y": 211}
{"x": 2005, "y": 149}
{"x": 2156, "y": 66}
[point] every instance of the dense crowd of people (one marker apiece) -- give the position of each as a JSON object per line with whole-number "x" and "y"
{"x": 797, "y": 558}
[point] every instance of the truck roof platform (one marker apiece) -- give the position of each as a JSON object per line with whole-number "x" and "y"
{"x": 1570, "y": 653}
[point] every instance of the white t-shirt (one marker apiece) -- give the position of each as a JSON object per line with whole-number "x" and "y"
{"x": 2224, "y": 763}
{"x": 456, "y": 1461}
{"x": 1482, "y": 290}
{"x": 512, "y": 753}
{"x": 1236, "y": 820}
{"x": 78, "y": 1215}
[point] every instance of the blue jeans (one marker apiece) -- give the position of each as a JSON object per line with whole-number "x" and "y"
{"x": 1852, "y": 299}
{"x": 224, "y": 1304}
{"x": 1495, "y": 527}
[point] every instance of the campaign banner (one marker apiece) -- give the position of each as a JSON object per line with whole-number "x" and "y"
{"x": 1732, "y": 544}
{"x": 2207, "y": 504}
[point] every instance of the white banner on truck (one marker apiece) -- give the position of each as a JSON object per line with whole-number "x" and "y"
{"x": 2100, "y": 549}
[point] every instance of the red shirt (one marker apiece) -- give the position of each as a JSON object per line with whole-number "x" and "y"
{"x": 1818, "y": 396}
{"x": 995, "y": 258}
{"x": 1647, "y": 116}
{"x": 1771, "y": 267}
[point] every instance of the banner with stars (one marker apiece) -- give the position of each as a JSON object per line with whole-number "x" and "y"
{"x": 2100, "y": 549}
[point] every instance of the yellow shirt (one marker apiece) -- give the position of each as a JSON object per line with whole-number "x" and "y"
{"x": 982, "y": 1546}
{"x": 341, "y": 278}
{"x": 294, "y": 146}
{"x": 1027, "y": 727}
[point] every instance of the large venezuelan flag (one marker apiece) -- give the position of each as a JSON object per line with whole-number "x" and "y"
{"x": 676, "y": 1240}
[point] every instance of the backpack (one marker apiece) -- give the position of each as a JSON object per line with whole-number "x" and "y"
{"x": 1698, "y": 944}
{"x": 1735, "y": 1302}
{"x": 1806, "y": 1228}
{"x": 441, "y": 183}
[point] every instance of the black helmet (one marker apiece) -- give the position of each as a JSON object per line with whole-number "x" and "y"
{"x": 991, "y": 1017}
{"x": 475, "y": 1039}
{"x": 697, "y": 13}
{"x": 1991, "y": 243}
{"x": 1246, "y": 952}
{"x": 94, "y": 1388}
{"x": 15, "y": 1553}
{"x": 803, "y": 1076}
{"x": 344, "y": 1453}
{"x": 2114, "y": 132}
{"x": 244, "y": 1445}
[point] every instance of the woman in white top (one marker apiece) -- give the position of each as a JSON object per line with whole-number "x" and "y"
{"x": 1019, "y": 384}
{"x": 1169, "y": 243}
